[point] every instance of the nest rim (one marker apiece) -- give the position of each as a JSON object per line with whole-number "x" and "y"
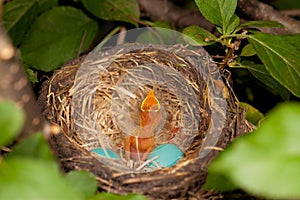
{"x": 191, "y": 169}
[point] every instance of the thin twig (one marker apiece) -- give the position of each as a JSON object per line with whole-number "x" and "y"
{"x": 175, "y": 15}
{"x": 81, "y": 43}
{"x": 261, "y": 11}
{"x": 291, "y": 13}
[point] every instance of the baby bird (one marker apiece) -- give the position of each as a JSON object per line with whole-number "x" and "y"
{"x": 140, "y": 146}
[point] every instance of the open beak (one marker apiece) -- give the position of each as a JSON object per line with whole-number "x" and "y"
{"x": 150, "y": 115}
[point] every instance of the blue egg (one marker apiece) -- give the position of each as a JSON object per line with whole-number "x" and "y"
{"x": 167, "y": 155}
{"x": 110, "y": 153}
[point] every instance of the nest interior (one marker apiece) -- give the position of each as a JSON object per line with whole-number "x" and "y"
{"x": 120, "y": 176}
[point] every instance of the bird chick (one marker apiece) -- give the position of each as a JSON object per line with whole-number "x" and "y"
{"x": 139, "y": 147}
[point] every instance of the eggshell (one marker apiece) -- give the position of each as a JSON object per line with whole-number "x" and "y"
{"x": 167, "y": 155}
{"x": 110, "y": 153}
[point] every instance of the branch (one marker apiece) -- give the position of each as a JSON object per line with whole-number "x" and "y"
{"x": 14, "y": 86}
{"x": 291, "y": 13}
{"x": 261, "y": 11}
{"x": 166, "y": 11}
{"x": 181, "y": 18}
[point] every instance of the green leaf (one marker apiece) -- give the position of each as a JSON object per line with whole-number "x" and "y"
{"x": 57, "y": 36}
{"x": 252, "y": 115}
{"x": 46, "y": 4}
{"x": 218, "y": 182}
{"x": 293, "y": 39}
{"x": 200, "y": 35}
{"x": 109, "y": 196}
{"x": 18, "y": 16}
{"x": 266, "y": 162}
{"x": 280, "y": 58}
{"x": 156, "y": 35}
{"x": 160, "y": 24}
{"x": 28, "y": 179}
{"x": 262, "y": 24}
{"x": 34, "y": 146}
{"x": 248, "y": 50}
{"x": 260, "y": 72}
{"x": 219, "y": 12}
{"x": 233, "y": 23}
{"x": 32, "y": 75}
{"x": 11, "y": 121}
{"x": 118, "y": 10}
{"x": 83, "y": 182}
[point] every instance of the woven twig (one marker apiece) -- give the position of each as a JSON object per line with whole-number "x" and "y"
{"x": 214, "y": 106}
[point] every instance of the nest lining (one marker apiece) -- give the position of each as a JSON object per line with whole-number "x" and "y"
{"x": 106, "y": 133}
{"x": 118, "y": 177}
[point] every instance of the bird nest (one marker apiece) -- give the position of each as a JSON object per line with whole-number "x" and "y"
{"x": 96, "y": 101}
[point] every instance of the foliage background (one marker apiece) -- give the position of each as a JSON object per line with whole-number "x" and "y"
{"x": 264, "y": 68}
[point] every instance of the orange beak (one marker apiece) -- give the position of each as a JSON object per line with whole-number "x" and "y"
{"x": 150, "y": 115}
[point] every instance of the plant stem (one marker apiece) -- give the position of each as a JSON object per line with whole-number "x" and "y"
{"x": 242, "y": 36}
{"x": 228, "y": 55}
